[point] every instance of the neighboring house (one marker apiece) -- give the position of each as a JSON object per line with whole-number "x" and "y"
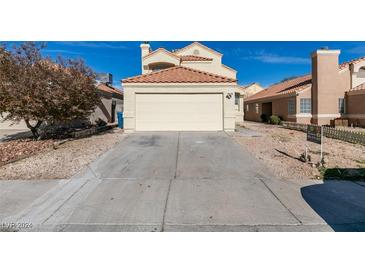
{"x": 188, "y": 89}
{"x": 111, "y": 102}
{"x": 331, "y": 91}
{"x": 250, "y": 89}
{"x": 242, "y": 93}
{"x": 355, "y": 105}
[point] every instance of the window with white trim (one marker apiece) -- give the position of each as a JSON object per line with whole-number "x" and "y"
{"x": 305, "y": 105}
{"x": 341, "y": 105}
{"x": 257, "y": 108}
{"x": 291, "y": 106}
{"x": 247, "y": 107}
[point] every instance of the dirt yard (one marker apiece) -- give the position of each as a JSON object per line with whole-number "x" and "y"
{"x": 280, "y": 149}
{"x": 62, "y": 162}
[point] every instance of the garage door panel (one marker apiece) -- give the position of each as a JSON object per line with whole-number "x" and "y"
{"x": 179, "y": 112}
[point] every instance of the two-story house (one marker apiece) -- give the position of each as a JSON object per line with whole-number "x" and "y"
{"x": 188, "y": 89}
{"x": 331, "y": 91}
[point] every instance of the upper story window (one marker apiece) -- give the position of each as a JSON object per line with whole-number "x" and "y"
{"x": 305, "y": 105}
{"x": 341, "y": 105}
{"x": 159, "y": 66}
{"x": 291, "y": 106}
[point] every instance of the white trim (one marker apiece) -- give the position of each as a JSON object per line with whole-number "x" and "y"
{"x": 178, "y": 51}
{"x": 303, "y": 115}
{"x": 326, "y": 52}
{"x": 197, "y": 61}
{"x": 337, "y": 115}
{"x": 229, "y": 68}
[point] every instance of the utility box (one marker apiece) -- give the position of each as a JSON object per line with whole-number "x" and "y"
{"x": 120, "y": 119}
{"x": 339, "y": 122}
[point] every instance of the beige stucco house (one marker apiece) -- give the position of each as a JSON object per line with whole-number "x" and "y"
{"x": 189, "y": 89}
{"x": 331, "y": 91}
{"x": 242, "y": 94}
{"x": 111, "y": 102}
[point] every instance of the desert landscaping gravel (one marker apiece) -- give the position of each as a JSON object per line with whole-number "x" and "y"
{"x": 15, "y": 149}
{"x": 280, "y": 148}
{"x": 64, "y": 161}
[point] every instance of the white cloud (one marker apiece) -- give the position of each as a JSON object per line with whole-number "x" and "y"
{"x": 60, "y": 51}
{"x": 109, "y": 45}
{"x": 280, "y": 59}
{"x": 277, "y": 59}
{"x": 269, "y": 58}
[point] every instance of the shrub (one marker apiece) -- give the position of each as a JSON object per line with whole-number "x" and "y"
{"x": 264, "y": 118}
{"x": 275, "y": 120}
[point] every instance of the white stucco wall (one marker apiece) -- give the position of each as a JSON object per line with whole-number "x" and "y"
{"x": 212, "y": 67}
{"x": 130, "y": 91}
{"x": 159, "y": 57}
{"x": 215, "y": 66}
{"x": 358, "y": 75}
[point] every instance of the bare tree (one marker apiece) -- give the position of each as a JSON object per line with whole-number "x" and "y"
{"x": 37, "y": 89}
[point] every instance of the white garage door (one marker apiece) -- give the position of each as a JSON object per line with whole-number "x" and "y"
{"x": 185, "y": 112}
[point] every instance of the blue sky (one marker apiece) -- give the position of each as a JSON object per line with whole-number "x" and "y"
{"x": 263, "y": 62}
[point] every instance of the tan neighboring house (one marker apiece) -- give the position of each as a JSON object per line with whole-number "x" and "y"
{"x": 355, "y": 105}
{"x": 250, "y": 89}
{"x": 183, "y": 90}
{"x": 111, "y": 102}
{"x": 331, "y": 91}
{"x": 242, "y": 93}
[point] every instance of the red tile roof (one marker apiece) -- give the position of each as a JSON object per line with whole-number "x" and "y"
{"x": 354, "y": 61}
{"x": 286, "y": 87}
{"x": 359, "y": 87}
{"x": 194, "y": 58}
{"x": 108, "y": 89}
{"x": 179, "y": 74}
{"x": 295, "y": 85}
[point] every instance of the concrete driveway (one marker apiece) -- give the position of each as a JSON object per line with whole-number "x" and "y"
{"x": 177, "y": 181}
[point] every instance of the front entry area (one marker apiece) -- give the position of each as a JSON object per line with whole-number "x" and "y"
{"x": 179, "y": 111}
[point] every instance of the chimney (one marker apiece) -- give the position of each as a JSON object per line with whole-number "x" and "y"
{"x": 325, "y": 85}
{"x": 145, "y": 48}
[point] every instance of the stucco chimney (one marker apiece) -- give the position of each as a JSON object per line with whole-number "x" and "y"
{"x": 325, "y": 85}
{"x": 145, "y": 48}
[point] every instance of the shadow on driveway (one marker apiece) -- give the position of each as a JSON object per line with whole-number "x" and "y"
{"x": 341, "y": 204}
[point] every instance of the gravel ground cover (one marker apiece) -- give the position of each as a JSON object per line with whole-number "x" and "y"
{"x": 280, "y": 149}
{"x": 15, "y": 149}
{"x": 62, "y": 162}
